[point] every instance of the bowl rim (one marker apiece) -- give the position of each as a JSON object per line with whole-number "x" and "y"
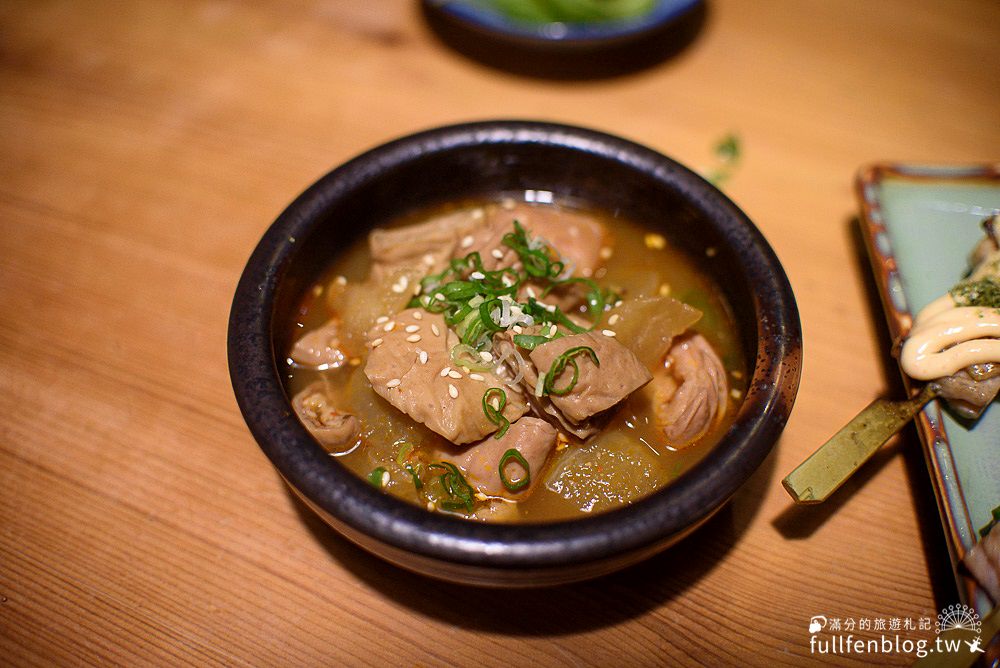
{"x": 568, "y": 34}
{"x": 333, "y": 490}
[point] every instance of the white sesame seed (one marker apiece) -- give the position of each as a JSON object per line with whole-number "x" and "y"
{"x": 467, "y": 241}
{"x": 412, "y": 328}
{"x": 413, "y": 338}
{"x": 423, "y": 356}
{"x": 477, "y": 214}
{"x": 464, "y": 369}
{"x": 440, "y": 297}
{"x": 389, "y": 326}
{"x": 735, "y": 394}
{"x": 401, "y": 285}
{"x": 477, "y": 275}
{"x": 385, "y": 478}
{"x": 530, "y": 292}
{"x": 454, "y": 374}
{"x": 452, "y": 391}
{"x": 340, "y": 280}
{"x": 393, "y": 383}
{"x": 608, "y": 332}
{"x": 497, "y": 253}
{"x": 428, "y": 259}
{"x": 508, "y": 203}
{"x": 495, "y": 402}
{"x": 445, "y": 371}
{"x": 376, "y": 343}
{"x": 435, "y": 330}
{"x": 487, "y": 356}
{"x": 614, "y": 318}
{"x": 418, "y": 315}
{"x": 517, "y": 329}
{"x": 737, "y": 374}
{"x": 476, "y": 376}
{"x": 431, "y": 506}
{"x": 381, "y": 319}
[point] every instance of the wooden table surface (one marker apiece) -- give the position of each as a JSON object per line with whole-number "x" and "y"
{"x": 146, "y": 146}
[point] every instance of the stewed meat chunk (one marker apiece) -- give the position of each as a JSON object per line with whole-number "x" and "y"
{"x": 411, "y": 367}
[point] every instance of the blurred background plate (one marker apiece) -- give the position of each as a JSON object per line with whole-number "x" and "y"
{"x": 565, "y": 50}
{"x": 920, "y": 223}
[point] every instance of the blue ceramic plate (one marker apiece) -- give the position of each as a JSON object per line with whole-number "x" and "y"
{"x": 477, "y": 15}
{"x": 920, "y": 224}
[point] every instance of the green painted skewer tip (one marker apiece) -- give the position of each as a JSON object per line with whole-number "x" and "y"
{"x": 815, "y": 479}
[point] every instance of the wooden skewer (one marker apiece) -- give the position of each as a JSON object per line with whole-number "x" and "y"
{"x": 815, "y": 479}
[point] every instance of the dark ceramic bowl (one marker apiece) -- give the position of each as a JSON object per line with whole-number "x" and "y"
{"x": 482, "y": 159}
{"x": 565, "y": 36}
{"x": 566, "y": 50}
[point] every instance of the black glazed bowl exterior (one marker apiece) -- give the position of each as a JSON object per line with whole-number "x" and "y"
{"x": 486, "y": 158}
{"x": 489, "y": 23}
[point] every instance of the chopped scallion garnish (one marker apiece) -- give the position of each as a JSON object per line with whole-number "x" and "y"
{"x": 404, "y": 452}
{"x": 477, "y": 303}
{"x": 377, "y": 477}
{"x": 469, "y": 357}
{"x": 495, "y": 413}
{"x": 520, "y": 483}
{"x": 457, "y": 491}
{"x": 530, "y": 341}
{"x": 559, "y": 364}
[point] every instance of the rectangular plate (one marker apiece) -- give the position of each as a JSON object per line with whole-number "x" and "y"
{"x": 920, "y": 223}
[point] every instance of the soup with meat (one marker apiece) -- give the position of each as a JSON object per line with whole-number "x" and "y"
{"x": 515, "y": 361}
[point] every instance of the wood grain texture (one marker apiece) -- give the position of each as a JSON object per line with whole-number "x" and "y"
{"x": 146, "y": 146}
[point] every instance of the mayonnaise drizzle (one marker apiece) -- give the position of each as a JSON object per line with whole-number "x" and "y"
{"x": 950, "y": 340}
{"x": 946, "y": 338}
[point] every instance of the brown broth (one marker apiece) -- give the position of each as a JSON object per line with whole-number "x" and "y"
{"x": 626, "y": 461}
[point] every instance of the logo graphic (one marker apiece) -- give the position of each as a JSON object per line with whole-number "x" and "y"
{"x": 963, "y": 618}
{"x": 817, "y": 624}
{"x": 958, "y": 629}
{"x": 958, "y": 616}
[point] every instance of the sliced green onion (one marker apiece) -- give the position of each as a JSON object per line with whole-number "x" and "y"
{"x": 414, "y": 472}
{"x": 404, "y": 451}
{"x": 487, "y": 318}
{"x": 535, "y": 260}
{"x": 530, "y": 341}
{"x": 515, "y": 485}
{"x": 376, "y": 477}
{"x": 495, "y": 413}
{"x": 453, "y": 483}
{"x": 458, "y": 314}
{"x": 465, "y": 355}
{"x": 542, "y": 314}
{"x": 468, "y": 305}
{"x": 594, "y": 296}
{"x": 559, "y": 364}
{"x": 458, "y": 290}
